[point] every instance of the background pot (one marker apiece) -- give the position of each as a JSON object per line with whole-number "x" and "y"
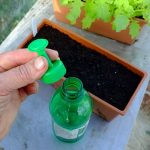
{"x": 102, "y": 108}
{"x": 98, "y": 26}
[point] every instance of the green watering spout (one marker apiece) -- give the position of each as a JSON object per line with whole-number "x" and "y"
{"x": 56, "y": 69}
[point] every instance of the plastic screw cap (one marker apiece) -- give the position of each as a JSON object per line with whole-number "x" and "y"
{"x": 56, "y": 69}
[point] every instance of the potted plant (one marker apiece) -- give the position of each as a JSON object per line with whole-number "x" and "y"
{"x": 121, "y": 20}
{"x": 112, "y": 82}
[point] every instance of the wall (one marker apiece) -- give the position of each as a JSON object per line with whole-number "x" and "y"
{"x": 11, "y": 12}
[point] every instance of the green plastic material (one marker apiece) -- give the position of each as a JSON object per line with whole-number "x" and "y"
{"x": 56, "y": 69}
{"x": 70, "y": 108}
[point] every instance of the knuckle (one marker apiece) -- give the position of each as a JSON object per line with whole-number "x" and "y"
{"x": 3, "y": 90}
{"x": 24, "y": 73}
{"x": 3, "y": 103}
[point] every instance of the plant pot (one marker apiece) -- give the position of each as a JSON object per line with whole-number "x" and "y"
{"x": 98, "y": 27}
{"x": 50, "y": 30}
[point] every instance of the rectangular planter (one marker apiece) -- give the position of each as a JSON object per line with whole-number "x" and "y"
{"x": 101, "y": 107}
{"x": 98, "y": 27}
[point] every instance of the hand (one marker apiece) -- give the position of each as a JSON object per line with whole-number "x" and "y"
{"x": 19, "y": 71}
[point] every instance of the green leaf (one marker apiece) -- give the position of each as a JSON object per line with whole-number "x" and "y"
{"x": 121, "y": 10}
{"x": 90, "y": 14}
{"x": 120, "y": 3}
{"x": 64, "y": 2}
{"x": 147, "y": 2}
{"x": 120, "y": 22}
{"x": 87, "y": 22}
{"x": 73, "y": 15}
{"x": 75, "y": 10}
{"x": 71, "y": 18}
{"x": 146, "y": 16}
{"x": 134, "y": 29}
{"x": 90, "y": 8}
{"x": 103, "y": 11}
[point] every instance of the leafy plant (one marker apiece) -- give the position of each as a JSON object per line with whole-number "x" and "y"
{"x": 122, "y": 13}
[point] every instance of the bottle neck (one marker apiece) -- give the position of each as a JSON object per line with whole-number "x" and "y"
{"x": 72, "y": 89}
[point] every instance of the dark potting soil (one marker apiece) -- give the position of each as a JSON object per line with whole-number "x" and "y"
{"x": 104, "y": 78}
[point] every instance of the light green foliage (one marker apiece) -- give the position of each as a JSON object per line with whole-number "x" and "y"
{"x": 75, "y": 9}
{"x": 64, "y": 2}
{"x": 97, "y": 9}
{"x": 134, "y": 29}
{"x": 120, "y": 22}
{"x": 87, "y": 21}
{"x": 122, "y": 13}
{"x": 89, "y": 18}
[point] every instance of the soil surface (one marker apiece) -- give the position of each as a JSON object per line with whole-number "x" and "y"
{"x": 101, "y": 76}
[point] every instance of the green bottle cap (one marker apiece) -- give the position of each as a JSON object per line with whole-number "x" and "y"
{"x": 56, "y": 69}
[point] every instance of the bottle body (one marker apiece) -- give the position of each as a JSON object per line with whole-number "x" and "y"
{"x": 70, "y": 108}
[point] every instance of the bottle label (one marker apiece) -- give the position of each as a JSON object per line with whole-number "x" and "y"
{"x": 69, "y": 134}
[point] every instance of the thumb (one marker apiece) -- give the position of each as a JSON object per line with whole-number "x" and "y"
{"x": 23, "y": 75}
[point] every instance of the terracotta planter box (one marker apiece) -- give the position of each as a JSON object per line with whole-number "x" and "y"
{"x": 98, "y": 27}
{"x": 101, "y": 107}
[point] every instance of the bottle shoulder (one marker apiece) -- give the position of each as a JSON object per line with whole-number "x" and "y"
{"x": 70, "y": 114}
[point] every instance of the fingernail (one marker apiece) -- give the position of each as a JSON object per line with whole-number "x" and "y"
{"x": 39, "y": 63}
{"x": 56, "y": 52}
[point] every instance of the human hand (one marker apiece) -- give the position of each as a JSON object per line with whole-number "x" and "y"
{"x": 19, "y": 71}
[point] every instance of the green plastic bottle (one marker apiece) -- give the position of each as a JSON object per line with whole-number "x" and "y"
{"x": 70, "y": 108}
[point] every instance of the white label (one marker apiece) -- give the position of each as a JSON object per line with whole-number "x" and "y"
{"x": 69, "y": 134}
{"x": 34, "y": 27}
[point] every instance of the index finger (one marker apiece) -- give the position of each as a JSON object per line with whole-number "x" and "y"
{"x": 19, "y": 57}
{"x": 15, "y": 58}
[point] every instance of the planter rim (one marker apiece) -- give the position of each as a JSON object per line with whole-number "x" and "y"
{"x": 142, "y": 73}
